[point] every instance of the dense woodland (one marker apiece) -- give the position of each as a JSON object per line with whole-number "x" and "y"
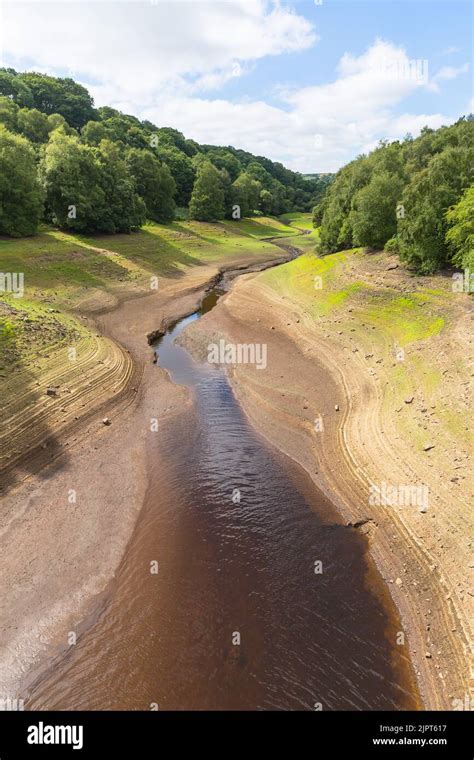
{"x": 414, "y": 197}
{"x": 63, "y": 161}
{"x": 86, "y": 169}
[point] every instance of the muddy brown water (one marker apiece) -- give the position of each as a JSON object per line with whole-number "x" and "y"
{"x": 236, "y": 616}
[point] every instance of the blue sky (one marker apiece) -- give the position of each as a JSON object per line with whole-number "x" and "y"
{"x": 440, "y": 32}
{"x": 303, "y": 83}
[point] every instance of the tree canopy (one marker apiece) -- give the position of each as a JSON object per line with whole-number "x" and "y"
{"x": 21, "y": 199}
{"x": 207, "y": 199}
{"x": 403, "y": 196}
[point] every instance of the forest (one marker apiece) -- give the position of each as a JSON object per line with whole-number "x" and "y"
{"x": 413, "y": 197}
{"x": 87, "y": 169}
{"x": 62, "y": 161}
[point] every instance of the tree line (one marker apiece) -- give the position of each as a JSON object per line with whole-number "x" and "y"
{"x": 413, "y": 197}
{"x": 85, "y": 169}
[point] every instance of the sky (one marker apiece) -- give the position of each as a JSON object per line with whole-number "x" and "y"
{"x": 311, "y": 84}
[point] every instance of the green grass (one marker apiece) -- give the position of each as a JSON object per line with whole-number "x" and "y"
{"x": 379, "y": 320}
{"x": 298, "y": 219}
{"x": 324, "y": 284}
{"x": 318, "y": 284}
{"x": 261, "y": 227}
{"x": 55, "y": 264}
{"x": 52, "y": 260}
{"x": 401, "y": 316}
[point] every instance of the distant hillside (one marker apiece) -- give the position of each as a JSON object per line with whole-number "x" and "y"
{"x": 97, "y": 169}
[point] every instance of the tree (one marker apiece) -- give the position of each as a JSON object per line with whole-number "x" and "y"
{"x": 154, "y": 184}
{"x": 33, "y": 125}
{"x": 281, "y": 204}
{"x": 9, "y": 113}
{"x": 336, "y": 229}
{"x": 172, "y": 138}
{"x": 431, "y": 171}
{"x": 56, "y": 121}
{"x": 124, "y": 210}
{"x": 266, "y": 201}
{"x": 182, "y": 169}
{"x": 223, "y": 159}
{"x": 93, "y": 132}
{"x": 57, "y": 95}
{"x": 260, "y": 174}
{"x": 71, "y": 178}
{"x": 422, "y": 230}
{"x": 245, "y": 194}
{"x": 14, "y": 89}
{"x": 207, "y": 199}
{"x": 373, "y": 217}
{"x": 89, "y": 189}
{"x": 460, "y": 235}
{"x": 21, "y": 199}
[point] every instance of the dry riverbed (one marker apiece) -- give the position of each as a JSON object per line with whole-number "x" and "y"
{"x": 72, "y": 423}
{"x": 328, "y": 347}
{"x": 366, "y": 386}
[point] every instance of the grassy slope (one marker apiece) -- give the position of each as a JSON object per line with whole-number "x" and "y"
{"x": 262, "y": 227}
{"x": 302, "y": 222}
{"x": 65, "y": 274}
{"x": 60, "y": 269}
{"x": 299, "y": 220}
{"x": 342, "y": 291}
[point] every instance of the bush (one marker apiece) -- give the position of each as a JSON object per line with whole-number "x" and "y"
{"x": 392, "y": 245}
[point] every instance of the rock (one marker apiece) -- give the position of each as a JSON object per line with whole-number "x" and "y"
{"x": 336, "y": 407}
{"x": 106, "y": 421}
{"x": 392, "y": 266}
{"x": 154, "y": 335}
{"x": 409, "y": 400}
{"x": 428, "y": 446}
{"x": 399, "y": 581}
{"x": 428, "y": 655}
{"x": 51, "y": 392}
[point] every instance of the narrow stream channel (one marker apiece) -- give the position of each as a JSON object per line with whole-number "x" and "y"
{"x": 237, "y": 617}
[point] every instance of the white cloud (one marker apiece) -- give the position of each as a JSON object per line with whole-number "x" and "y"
{"x": 137, "y": 47}
{"x": 447, "y": 73}
{"x": 320, "y": 127}
{"x": 162, "y": 62}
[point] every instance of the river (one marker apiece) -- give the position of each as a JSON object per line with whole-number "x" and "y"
{"x": 240, "y": 589}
